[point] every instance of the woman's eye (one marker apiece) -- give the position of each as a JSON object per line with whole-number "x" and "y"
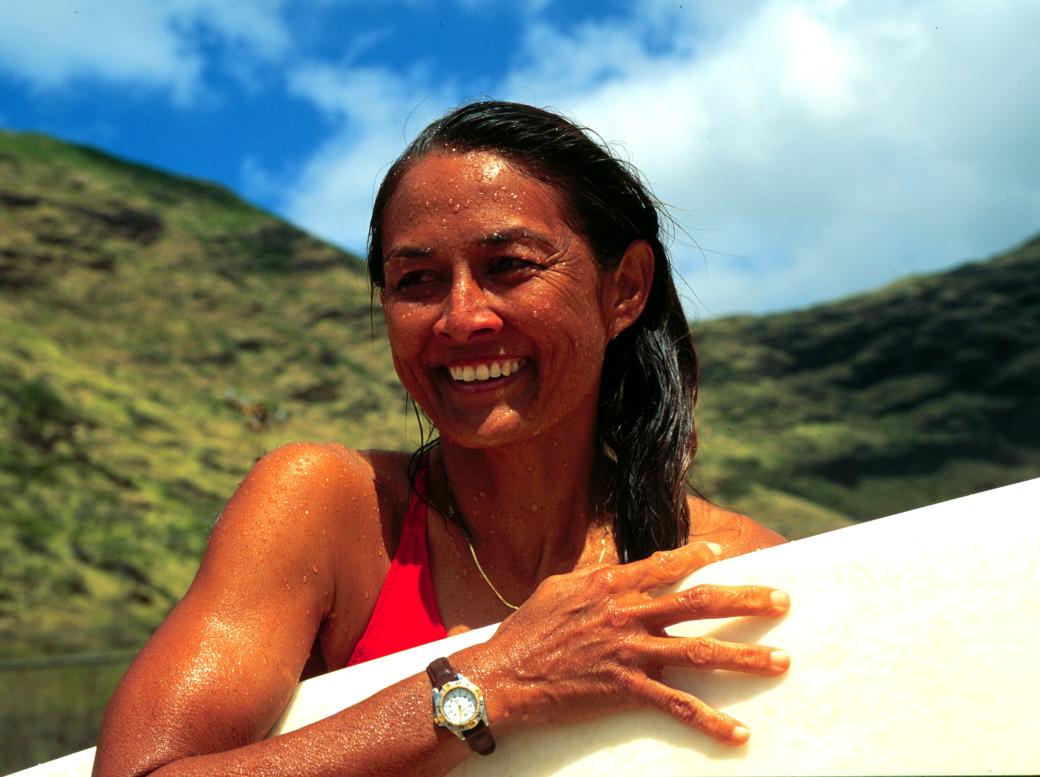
{"x": 414, "y": 279}
{"x": 506, "y": 264}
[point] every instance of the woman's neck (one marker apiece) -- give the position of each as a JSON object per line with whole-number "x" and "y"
{"x": 533, "y": 508}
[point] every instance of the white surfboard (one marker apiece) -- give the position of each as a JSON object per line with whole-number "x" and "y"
{"x": 915, "y": 644}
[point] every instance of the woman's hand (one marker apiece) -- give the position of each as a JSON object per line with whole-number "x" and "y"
{"x": 593, "y": 641}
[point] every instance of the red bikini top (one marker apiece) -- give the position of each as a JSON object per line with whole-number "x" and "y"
{"x": 406, "y": 611}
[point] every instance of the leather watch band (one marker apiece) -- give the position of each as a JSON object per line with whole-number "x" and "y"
{"x": 479, "y": 738}
{"x": 440, "y": 672}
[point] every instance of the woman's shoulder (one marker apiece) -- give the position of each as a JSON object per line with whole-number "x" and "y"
{"x": 311, "y": 483}
{"x": 320, "y": 504}
{"x": 737, "y": 533}
{"x": 330, "y": 466}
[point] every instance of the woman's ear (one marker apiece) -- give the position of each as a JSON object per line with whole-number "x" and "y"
{"x": 626, "y": 288}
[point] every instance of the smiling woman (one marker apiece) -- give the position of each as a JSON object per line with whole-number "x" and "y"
{"x": 484, "y": 272}
{"x": 532, "y": 316}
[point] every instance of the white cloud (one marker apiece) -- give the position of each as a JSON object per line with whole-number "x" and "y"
{"x": 812, "y": 148}
{"x": 375, "y": 113}
{"x": 818, "y": 148}
{"x": 53, "y": 43}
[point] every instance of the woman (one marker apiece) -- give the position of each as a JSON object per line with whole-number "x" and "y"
{"x": 532, "y": 316}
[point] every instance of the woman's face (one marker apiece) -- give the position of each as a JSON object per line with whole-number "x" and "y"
{"x": 497, "y": 314}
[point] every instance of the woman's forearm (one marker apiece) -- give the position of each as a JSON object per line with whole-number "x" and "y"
{"x": 585, "y": 644}
{"x": 390, "y": 733}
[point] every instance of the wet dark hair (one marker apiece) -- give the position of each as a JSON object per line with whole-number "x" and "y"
{"x": 649, "y": 383}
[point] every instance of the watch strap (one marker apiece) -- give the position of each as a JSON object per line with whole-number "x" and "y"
{"x": 479, "y": 737}
{"x": 440, "y": 672}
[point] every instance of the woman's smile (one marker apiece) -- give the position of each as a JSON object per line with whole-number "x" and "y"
{"x": 483, "y": 371}
{"x": 493, "y": 302}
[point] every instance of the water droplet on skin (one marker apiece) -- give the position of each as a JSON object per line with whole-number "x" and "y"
{"x": 305, "y": 578}
{"x": 456, "y": 208}
{"x": 314, "y": 569}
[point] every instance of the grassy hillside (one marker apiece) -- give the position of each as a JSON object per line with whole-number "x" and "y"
{"x": 158, "y": 335}
{"x": 920, "y": 392}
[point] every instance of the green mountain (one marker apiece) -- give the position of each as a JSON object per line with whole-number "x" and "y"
{"x": 923, "y": 391}
{"x": 157, "y": 334}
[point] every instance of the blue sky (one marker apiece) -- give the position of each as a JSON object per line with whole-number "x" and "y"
{"x": 810, "y": 149}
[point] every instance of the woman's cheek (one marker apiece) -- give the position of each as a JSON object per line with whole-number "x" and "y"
{"x": 402, "y": 326}
{"x": 404, "y": 345}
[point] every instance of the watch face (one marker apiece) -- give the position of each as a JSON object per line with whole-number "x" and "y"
{"x": 459, "y": 706}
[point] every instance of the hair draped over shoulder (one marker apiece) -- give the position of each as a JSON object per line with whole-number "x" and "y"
{"x": 649, "y": 383}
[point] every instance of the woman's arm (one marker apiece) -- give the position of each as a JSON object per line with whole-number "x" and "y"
{"x": 219, "y": 671}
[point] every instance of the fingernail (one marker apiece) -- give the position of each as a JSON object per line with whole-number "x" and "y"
{"x": 715, "y": 548}
{"x": 741, "y": 734}
{"x": 780, "y": 599}
{"x": 779, "y": 659}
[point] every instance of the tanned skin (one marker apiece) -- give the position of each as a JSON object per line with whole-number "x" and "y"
{"x": 294, "y": 566}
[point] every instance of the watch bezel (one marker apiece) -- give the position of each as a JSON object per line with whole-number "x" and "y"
{"x": 459, "y": 683}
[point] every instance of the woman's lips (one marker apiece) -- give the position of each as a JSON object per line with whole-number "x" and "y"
{"x": 479, "y": 372}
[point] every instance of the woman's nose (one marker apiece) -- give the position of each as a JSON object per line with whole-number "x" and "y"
{"x": 466, "y": 313}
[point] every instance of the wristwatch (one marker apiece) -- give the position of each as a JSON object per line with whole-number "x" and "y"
{"x": 458, "y": 705}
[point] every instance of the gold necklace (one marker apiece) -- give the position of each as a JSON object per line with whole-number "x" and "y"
{"x": 487, "y": 580}
{"x": 450, "y": 512}
{"x": 483, "y": 574}
{"x": 454, "y": 519}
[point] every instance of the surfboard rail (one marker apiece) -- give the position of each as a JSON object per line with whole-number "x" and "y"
{"x": 914, "y": 641}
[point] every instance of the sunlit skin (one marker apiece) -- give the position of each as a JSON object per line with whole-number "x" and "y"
{"x": 482, "y": 267}
{"x": 486, "y": 267}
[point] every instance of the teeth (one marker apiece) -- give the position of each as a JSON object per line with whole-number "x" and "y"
{"x": 470, "y": 373}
